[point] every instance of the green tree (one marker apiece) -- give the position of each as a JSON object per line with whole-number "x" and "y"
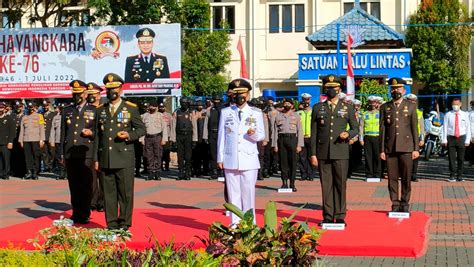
{"x": 205, "y": 52}
{"x": 440, "y": 53}
{"x": 371, "y": 87}
{"x": 49, "y": 13}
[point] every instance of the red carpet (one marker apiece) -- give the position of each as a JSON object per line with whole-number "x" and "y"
{"x": 369, "y": 233}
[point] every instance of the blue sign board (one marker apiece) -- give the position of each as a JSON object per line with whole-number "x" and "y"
{"x": 387, "y": 63}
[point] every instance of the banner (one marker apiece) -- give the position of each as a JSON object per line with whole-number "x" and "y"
{"x": 40, "y": 63}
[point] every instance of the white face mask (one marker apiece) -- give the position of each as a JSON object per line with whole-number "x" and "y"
{"x": 456, "y": 108}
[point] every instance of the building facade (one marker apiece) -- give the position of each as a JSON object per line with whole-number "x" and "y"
{"x": 273, "y": 33}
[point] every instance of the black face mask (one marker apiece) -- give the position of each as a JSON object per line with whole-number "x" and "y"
{"x": 161, "y": 110}
{"x": 216, "y": 103}
{"x": 112, "y": 95}
{"x": 396, "y": 95}
{"x": 305, "y": 105}
{"x": 184, "y": 105}
{"x": 286, "y": 108}
{"x": 91, "y": 99}
{"x": 370, "y": 107}
{"x": 152, "y": 110}
{"x": 331, "y": 93}
{"x": 240, "y": 99}
{"x": 77, "y": 99}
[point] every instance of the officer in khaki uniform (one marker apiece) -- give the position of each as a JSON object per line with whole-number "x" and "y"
{"x": 120, "y": 125}
{"x": 287, "y": 141}
{"x": 31, "y": 139}
{"x": 155, "y": 138}
{"x": 399, "y": 143}
{"x": 330, "y": 148}
{"x": 166, "y": 148}
{"x": 79, "y": 147}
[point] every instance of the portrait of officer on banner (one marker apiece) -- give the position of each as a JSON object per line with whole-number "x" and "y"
{"x": 146, "y": 66}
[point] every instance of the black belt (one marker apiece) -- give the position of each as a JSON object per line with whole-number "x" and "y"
{"x": 153, "y": 135}
{"x": 287, "y": 135}
{"x": 184, "y": 133}
{"x": 214, "y": 130}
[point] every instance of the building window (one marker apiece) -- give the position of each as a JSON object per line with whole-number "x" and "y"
{"x": 292, "y": 18}
{"x": 274, "y": 18}
{"x": 74, "y": 18}
{"x": 373, "y": 8}
{"x": 223, "y": 16}
{"x": 299, "y": 18}
{"x": 287, "y": 18}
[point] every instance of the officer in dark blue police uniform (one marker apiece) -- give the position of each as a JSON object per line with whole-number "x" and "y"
{"x": 146, "y": 66}
{"x": 79, "y": 151}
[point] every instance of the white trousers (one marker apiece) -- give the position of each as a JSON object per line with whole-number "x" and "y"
{"x": 241, "y": 190}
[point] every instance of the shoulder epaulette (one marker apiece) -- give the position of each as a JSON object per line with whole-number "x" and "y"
{"x": 131, "y": 104}
{"x": 256, "y": 109}
{"x": 101, "y": 105}
{"x": 133, "y": 56}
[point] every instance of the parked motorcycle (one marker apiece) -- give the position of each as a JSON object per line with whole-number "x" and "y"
{"x": 433, "y": 128}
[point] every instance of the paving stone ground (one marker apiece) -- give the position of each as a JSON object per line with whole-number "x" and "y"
{"x": 450, "y": 205}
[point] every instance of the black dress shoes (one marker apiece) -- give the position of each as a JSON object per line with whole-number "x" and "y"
{"x": 341, "y": 221}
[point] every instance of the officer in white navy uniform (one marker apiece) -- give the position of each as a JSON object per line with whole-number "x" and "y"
{"x": 240, "y": 128}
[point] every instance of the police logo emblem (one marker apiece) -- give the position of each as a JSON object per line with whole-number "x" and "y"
{"x": 331, "y": 78}
{"x": 76, "y": 84}
{"x": 394, "y": 82}
{"x": 107, "y": 43}
{"x": 237, "y": 83}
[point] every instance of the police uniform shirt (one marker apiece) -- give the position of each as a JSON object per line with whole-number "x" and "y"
{"x": 74, "y": 119}
{"x": 7, "y": 129}
{"x": 155, "y": 124}
{"x": 449, "y": 126}
{"x": 235, "y": 148}
{"x": 32, "y": 128}
{"x": 55, "y": 135}
{"x": 146, "y": 68}
{"x": 287, "y": 123}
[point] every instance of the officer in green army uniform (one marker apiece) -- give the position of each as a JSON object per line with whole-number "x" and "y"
{"x": 330, "y": 148}
{"x": 120, "y": 125}
{"x": 146, "y": 66}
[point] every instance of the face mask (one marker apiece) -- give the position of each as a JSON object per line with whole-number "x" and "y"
{"x": 184, "y": 105}
{"x": 77, "y": 99}
{"x": 152, "y": 110}
{"x": 286, "y": 108}
{"x": 396, "y": 95}
{"x": 240, "y": 99}
{"x": 112, "y": 95}
{"x": 331, "y": 93}
{"x": 217, "y": 103}
{"x": 91, "y": 99}
{"x": 305, "y": 105}
{"x": 456, "y": 108}
{"x": 161, "y": 110}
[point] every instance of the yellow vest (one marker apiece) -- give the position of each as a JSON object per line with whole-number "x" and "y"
{"x": 419, "y": 114}
{"x": 371, "y": 123}
{"x": 306, "y": 121}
